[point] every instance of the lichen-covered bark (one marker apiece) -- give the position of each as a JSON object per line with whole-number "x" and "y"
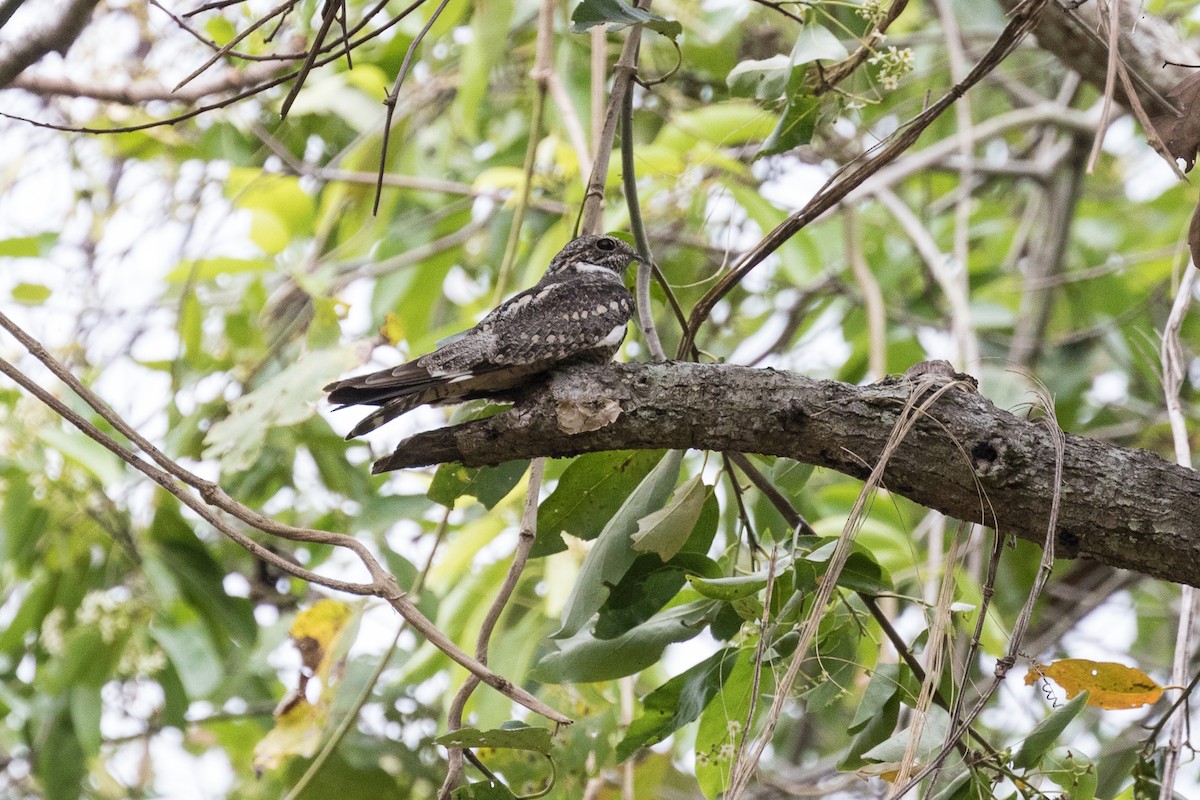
{"x": 966, "y": 458}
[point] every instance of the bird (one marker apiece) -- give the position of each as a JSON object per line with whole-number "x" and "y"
{"x": 577, "y": 312}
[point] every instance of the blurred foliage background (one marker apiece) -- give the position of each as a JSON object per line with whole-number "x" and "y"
{"x": 208, "y": 273}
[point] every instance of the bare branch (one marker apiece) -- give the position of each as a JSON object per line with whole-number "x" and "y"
{"x": 57, "y": 37}
{"x": 177, "y": 480}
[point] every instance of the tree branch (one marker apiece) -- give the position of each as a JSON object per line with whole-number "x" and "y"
{"x": 968, "y": 458}
{"x": 57, "y": 37}
{"x": 1070, "y": 32}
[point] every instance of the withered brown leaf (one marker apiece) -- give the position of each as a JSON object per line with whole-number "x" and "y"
{"x": 1181, "y": 132}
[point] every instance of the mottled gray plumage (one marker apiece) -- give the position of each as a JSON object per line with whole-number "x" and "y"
{"x": 578, "y": 311}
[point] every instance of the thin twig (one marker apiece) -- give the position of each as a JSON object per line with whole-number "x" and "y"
{"x": 949, "y": 277}
{"x": 1045, "y": 568}
{"x": 224, "y": 50}
{"x": 1174, "y": 372}
{"x": 328, "y": 15}
{"x": 390, "y": 101}
{"x": 1112, "y": 18}
{"x": 645, "y": 265}
{"x": 351, "y": 716}
{"x": 871, "y": 293}
{"x": 525, "y": 540}
{"x": 169, "y": 475}
{"x": 789, "y": 512}
{"x": 593, "y": 199}
{"x": 838, "y": 187}
{"x": 200, "y": 110}
{"x": 543, "y": 69}
{"x": 915, "y": 407}
{"x": 967, "y": 344}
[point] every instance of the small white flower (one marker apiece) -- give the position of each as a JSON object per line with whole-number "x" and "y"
{"x": 53, "y": 638}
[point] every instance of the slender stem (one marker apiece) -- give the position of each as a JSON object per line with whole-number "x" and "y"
{"x": 541, "y": 76}
{"x": 169, "y": 475}
{"x": 525, "y": 540}
{"x": 837, "y": 188}
{"x": 593, "y": 199}
{"x": 351, "y": 716}
{"x": 1174, "y": 370}
{"x": 390, "y": 101}
{"x": 646, "y": 262}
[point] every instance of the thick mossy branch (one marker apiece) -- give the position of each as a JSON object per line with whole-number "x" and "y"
{"x": 966, "y": 458}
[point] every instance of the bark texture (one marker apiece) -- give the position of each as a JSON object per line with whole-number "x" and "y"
{"x": 1071, "y": 31}
{"x": 966, "y": 457}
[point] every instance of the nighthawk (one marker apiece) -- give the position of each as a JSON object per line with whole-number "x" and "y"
{"x": 578, "y": 311}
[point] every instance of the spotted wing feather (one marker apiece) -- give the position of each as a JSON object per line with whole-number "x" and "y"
{"x": 558, "y": 320}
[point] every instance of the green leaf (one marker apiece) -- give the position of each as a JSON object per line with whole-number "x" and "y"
{"x": 790, "y": 476}
{"x": 288, "y": 398}
{"x": 727, "y": 124}
{"x": 1046, "y": 733}
{"x": 966, "y": 785}
{"x": 61, "y": 763}
{"x": 28, "y": 246}
{"x": 30, "y": 294}
{"x": 875, "y": 730}
{"x": 933, "y": 734}
{"x": 188, "y": 566}
{"x": 613, "y": 553}
{"x": 795, "y": 126}
{"x": 1074, "y": 772}
{"x": 765, "y": 79}
{"x": 87, "y": 453}
{"x": 729, "y": 589}
{"x": 723, "y": 722}
{"x": 677, "y": 702}
{"x": 862, "y": 574}
{"x": 584, "y": 658}
{"x": 189, "y": 650}
{"x": 489, "y": 485}
{"x": 884, "y": 683}
{"x": 22, "y": 521}
{"x": 618, "y": 15}
{"x": 39, "y": 599}
{"x": 642, "y": 592}
{"x": 84, "y": 662}
{"x": 85, "y": 717}
{"x": 665, "y": 531}
{"x": 523, "y": 737}
{"x": 280, "y": 195}
{"x": 582, "y": 502}
{"x": 208, "y": 269}
{"x": 816, "y": 43}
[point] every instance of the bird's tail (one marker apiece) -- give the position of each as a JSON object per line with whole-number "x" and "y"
{"x": 395, "y": 391}
{"x": 386, "y": 413}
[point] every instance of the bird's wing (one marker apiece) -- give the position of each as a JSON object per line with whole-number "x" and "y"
{"x": 558, "y": 320}
{"x": 459, "y": 359}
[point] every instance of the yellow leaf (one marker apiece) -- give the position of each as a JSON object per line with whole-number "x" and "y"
{"x": 500, "y": 178}
{"x": 392, "y": 328}
{"x": 297, "y": 732}
{"x": 1110, "y": 685}
{"x": 317, "y": 632}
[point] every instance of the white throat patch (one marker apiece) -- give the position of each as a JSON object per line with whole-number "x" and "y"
{"x": 583, "y": 266}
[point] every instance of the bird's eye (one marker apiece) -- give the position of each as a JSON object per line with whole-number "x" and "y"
{"x": 606, "y": 244}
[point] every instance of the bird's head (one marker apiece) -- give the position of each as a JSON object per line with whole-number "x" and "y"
{"x": 590, "y": 253}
